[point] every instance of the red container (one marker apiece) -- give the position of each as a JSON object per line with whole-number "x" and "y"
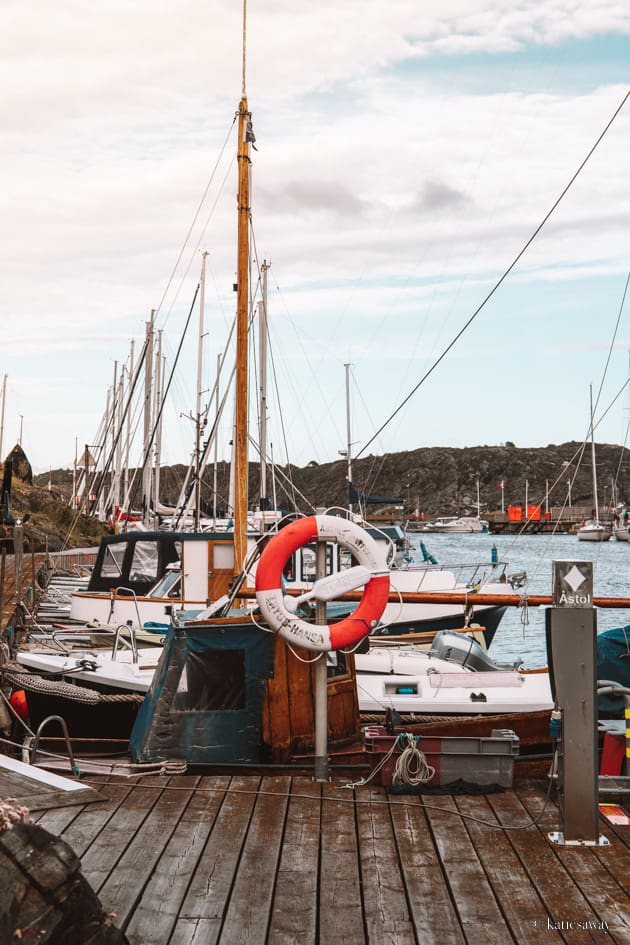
{"x": 534, "y": 513}
{"x": 515, "y": 513}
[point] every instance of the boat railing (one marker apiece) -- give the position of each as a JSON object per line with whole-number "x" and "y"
{"x": 122, "y": 593}
{"x": 470, "y": 573}
{"x": 32, "y": 749}
{"x": 130, "y": 644}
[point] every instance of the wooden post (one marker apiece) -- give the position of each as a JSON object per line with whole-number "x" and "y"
{"x": 240, "y": 452}
{"x": 18, "y": 547}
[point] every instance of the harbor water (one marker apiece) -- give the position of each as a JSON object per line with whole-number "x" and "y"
{"x": 521, "y": 633}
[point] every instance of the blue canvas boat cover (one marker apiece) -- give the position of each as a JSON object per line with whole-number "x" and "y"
{"x": 206, "y": 700}
{"x": 613, "y": 663}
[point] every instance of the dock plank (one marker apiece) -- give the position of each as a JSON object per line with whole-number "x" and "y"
{"x": 475, "y": 901}
{"x": 564, "y": 904}
{"x": 81, "y": 830}
{"x": 435, "y": 919}
{"x": 205, "y": 904}
{"x": 213, "y": 860}
{"x": 607, "y": 896}
{"x": 124, "y": 888}
{"x": 101, "y": 858}
{"x": 156, "y": 914}
{"x": 518, "y": 899}
{"x": 298, "y": 869}
{"x": 386, "y": 911}
{"x": 340, "y": 900}
{"x": 249, "y": 910}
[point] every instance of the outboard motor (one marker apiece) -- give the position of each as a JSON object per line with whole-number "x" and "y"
{"x": 463, "y": 649}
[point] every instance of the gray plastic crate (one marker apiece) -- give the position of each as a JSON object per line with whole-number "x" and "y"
{"x": 488, "y": 760}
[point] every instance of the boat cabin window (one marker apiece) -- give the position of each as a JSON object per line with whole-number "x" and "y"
{"x": 300, "y": 568}
{"x": 211, "y": 681}
{"x": 337, "y": 664}
{"x": 113, "y": 560}
{"x": 168, "y": 586}
{"x": 144, "y": 564}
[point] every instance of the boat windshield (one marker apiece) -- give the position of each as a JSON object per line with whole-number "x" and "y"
{"x": 168, "y": 586}
{"x": 144, "y": 566}
{"x": 113, "y": 560}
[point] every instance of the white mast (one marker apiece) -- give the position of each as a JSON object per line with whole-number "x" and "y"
{"x": 262, "y": 433}
{"x": 216, "y": 446}
{"x": 349, "y": 436}
{"x": 119, "y": 430}
{"x": 202, "y": 303}
{"x": 595, "y": 501}
{"x": 148, "y": 384}
{"x": 158, "y": 414}
{"x": 130, "y": 375}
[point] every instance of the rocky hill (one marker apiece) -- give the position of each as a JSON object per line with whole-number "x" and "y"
{"x": 432, "y": 480}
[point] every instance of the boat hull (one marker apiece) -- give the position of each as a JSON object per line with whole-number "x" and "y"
{"x": 487, "y": 618}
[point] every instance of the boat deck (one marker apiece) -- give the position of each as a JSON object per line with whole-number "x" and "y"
{"x": 244, "y": 860}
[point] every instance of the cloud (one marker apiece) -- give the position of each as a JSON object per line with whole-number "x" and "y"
{"x": 383, "y": 189}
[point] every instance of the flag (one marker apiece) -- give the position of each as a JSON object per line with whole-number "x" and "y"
{"x": 500, "y": 484}
{"x": 249, "y": 135}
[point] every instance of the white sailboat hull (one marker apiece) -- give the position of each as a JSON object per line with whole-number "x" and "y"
{"x": 594, "y": 531}
{"x": 410, "y": 681}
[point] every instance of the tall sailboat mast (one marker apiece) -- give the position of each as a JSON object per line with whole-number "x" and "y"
{"x": 240, "y": 454}
{"x": 594, "y": 467}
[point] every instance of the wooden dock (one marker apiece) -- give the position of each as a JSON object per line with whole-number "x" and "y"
{"x": 276, "y": 860}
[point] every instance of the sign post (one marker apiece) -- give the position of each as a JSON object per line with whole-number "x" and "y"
{"x": 571, "y": 625}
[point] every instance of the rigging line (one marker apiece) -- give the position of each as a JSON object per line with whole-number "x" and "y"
{"x": 244, "y": 44}
{"x": 168, "y": 385}
{"x": 278, "y": 471}
{"x": 108, "y": 464}
{"x": 282, "y": 425}
{"x": 611, "y": 346}
{"x": 196, "y": 216}
{"x": 313, "y": 377}
{"x": 187, "y": 490}
{"x": 502, "y": 279}
{"x": 200, "y": 238}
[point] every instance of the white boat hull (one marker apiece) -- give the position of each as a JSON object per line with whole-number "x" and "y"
{"x": 594, "y": 531}
{"x": 410, "y": 681}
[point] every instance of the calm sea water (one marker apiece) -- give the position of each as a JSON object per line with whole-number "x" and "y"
{"x": 522, "y": 634}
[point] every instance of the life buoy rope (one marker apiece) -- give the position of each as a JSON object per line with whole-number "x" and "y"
{"x": 372, "y": 574}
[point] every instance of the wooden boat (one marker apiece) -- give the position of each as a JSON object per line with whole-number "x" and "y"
{"x": 141, "y": 576}
{"x": 226, "y": 690}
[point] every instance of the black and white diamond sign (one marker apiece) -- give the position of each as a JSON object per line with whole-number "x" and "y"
{"x": 573, "y": 583}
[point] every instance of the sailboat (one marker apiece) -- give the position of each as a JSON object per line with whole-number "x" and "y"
{"x": 593, "y": 529}
{"x": 227, "y": 687}
{"x": 232, "y": 686}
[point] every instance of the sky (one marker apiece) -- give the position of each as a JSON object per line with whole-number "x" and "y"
{"x": 406, "y": 154}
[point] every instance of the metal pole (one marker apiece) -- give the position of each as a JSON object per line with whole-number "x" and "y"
{"x": 216, "y": 448}
{"x": 148, "y": 385}
{"x": 348, "y": 436}
{"x": 321, "y": 679}
{"x": 202, "y": 303}
{"x": 262, "y": 354}
{"x": 157, "y": 413}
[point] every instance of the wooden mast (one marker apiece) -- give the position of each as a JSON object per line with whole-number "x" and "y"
{"x": 240, "y": 453}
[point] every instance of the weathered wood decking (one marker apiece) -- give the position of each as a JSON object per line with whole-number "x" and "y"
{"x": 277, "y": 860}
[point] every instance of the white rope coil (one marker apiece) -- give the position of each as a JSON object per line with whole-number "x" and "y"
{"x": 411, "y": 766}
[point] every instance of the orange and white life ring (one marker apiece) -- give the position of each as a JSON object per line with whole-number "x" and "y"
{"x": 371, "y": 573}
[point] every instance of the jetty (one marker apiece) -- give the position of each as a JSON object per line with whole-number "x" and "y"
{"x": 273, "y": 860}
